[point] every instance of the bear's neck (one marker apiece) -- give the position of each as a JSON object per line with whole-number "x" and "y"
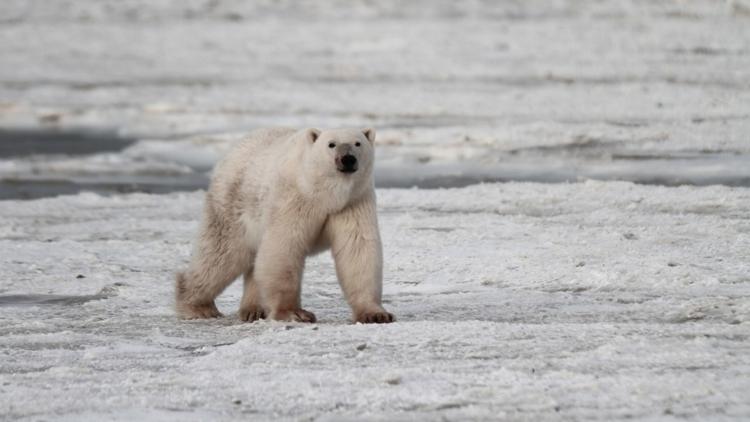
{"x": 333, "y": 194}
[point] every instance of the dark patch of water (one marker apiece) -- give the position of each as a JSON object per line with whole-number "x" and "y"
{"x": 588, "y": 159}
{"x": 22, "y": 142}
{"x": 106, "y": 185}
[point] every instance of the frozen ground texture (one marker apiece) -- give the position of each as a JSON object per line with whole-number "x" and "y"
{"x": 594, "y": 300}
{"x": 522, "y": 301}
{"x": 534, "y": 90}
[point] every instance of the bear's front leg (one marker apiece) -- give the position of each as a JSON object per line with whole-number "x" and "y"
{"x": 278, "y": 271}
{"x": 355, "y": 243}
{"x": 250, "y": 307}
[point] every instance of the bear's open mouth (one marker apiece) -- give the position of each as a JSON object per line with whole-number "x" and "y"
{"x": 348, "y": 169}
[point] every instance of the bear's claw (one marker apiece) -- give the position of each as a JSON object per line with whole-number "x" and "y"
{"x": 295, "y": 315}
{"x": 380, "y": 317}
{"x": 252, "y": 314}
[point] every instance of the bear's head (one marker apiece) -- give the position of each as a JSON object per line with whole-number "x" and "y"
{"x": 342, "y": 153}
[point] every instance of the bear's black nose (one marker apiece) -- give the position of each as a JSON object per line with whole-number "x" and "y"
{"x": 348, "y": 163}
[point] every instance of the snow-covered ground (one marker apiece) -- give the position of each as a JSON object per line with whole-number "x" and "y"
{"x": 594, "y": 300}
{"x": 516, "y": 301}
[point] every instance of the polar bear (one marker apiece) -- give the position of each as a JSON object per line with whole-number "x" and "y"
{"x": 279, "y": 196}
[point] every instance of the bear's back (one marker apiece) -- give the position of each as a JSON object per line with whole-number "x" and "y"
{"x": 253, "y": 151}
{"x": 249, "y": 167}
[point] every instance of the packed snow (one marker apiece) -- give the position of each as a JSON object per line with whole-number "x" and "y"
{"x": 598, "y": 299}
{"x": 523, "y": 301}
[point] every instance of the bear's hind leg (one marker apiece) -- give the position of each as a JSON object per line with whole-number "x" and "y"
{"x": 217, "y": 262}
{"x": 188, "y": 310}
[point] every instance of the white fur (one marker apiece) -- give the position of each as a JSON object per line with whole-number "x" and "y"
{"x": 277, "y": 198}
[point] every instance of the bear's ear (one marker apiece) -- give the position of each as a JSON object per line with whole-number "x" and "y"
{"x": 369, "y": 134}
{"x": 312, "y": 134}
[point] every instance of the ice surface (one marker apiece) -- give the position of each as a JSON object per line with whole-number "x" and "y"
{"x": 596, "y": 300}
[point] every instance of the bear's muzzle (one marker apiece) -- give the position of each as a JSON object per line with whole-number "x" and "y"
{"x": 346, "y": 163}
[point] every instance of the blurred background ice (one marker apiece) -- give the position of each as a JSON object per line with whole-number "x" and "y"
{"x": 130, "y": 95}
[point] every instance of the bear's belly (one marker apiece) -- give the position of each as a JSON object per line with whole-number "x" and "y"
{"x": 253, "y": 229}
{"x": 321, "y": 244}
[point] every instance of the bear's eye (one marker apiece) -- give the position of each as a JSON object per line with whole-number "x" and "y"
{"x": 357, "y": 144}
{"x": 331, "y": 145}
